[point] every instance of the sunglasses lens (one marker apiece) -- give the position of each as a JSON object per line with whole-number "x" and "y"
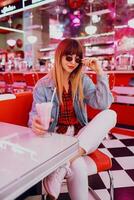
{"x": 77, "y": 60}
{"x": 69, "y": 58}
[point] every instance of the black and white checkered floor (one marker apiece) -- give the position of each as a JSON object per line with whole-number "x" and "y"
{"x": 121, "y": 149}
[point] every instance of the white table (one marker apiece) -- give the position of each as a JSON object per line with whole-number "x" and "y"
{"x": 25, "y": 159}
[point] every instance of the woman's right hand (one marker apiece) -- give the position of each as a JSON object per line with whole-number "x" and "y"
{"x": 93, "y": 64}
{"x": 37, "y": 126}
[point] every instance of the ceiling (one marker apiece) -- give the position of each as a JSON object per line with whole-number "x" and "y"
{"x": 118, "y": 12}
{"x": 56, "y": 11}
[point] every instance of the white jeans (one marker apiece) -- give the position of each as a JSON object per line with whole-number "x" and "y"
{"x": 89, "y": 138}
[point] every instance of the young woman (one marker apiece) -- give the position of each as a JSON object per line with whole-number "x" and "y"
{"x": 74, "y": 90}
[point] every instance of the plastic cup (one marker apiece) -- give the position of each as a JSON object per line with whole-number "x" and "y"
{"x": 44, "y": 112}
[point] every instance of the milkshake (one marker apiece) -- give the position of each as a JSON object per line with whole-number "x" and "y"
{"x": 44, "y": 111}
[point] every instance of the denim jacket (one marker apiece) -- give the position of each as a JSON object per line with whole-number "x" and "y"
{"x": 97, "y": 96}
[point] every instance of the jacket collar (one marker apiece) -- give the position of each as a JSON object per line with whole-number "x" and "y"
{"x": 48, "y": 80}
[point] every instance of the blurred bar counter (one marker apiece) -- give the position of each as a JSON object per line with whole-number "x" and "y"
{"x": 121, "y": 85}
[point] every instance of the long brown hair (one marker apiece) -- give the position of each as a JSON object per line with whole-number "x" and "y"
{"x": 68, "y": 47}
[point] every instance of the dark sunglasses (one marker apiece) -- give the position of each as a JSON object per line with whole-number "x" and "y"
{"x": 70, "y": 58}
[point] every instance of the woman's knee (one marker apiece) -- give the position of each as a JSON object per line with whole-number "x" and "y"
{"x": 112, "y": 115}
{"x": 109, "y": 115}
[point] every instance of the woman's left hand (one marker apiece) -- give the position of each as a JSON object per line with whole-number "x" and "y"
{"x": 93, "y": 64}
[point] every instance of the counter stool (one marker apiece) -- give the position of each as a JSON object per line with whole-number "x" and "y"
{"x": 8, "y": 78}
{"x": 102, "y": 163}
{"x": 19, "y": 84}
{"x": 2, "y": 84}
{"x": 13, "y": 86}
{"x": 31, "y": 79}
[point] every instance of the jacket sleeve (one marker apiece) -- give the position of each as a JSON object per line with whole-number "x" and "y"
{"x": 97, "y": 96}
{"x": 38, "y": 97}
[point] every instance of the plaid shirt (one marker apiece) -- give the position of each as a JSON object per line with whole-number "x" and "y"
{"x": 67, "y": 116}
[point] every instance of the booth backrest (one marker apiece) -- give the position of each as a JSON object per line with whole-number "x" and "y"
{"x": 16, "y": 111}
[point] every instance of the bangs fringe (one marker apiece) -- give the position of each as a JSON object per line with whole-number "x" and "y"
{"x": 71, "y": 50}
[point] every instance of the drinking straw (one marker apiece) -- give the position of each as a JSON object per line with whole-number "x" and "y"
{"x": 53, "y": 95}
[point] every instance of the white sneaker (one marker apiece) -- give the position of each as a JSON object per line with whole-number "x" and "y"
{"x": 52, "y": 183}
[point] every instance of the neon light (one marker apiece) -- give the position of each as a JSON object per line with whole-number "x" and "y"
{"x": 8, "y": 9}
{"x": 27, "y": 7}
{"x": 95, "y": 35}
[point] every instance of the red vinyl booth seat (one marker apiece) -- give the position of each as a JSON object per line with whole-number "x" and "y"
{"x": 16, "y": 111}
{"x": 125, "y": 113}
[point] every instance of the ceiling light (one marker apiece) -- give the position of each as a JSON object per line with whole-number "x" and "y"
{"x": 75, "y": 21}
{"x": 91, "y": 29}
{"x": 11, "y": 42}
{"x": 76, "y": 12}
{"x": 131, "y": 23}
{"x": 10, "y": 21}
{"x": 64, "y": 11}
{"x": 95, "y": 18}
{"x": 55, "y": 31}
{"x": 57, "y": 9}
{"x": 32, "y": 39}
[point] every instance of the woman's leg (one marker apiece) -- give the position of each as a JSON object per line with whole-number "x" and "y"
{"x": 96, "y": 130}
{"x": 89, "y": 138}
{"x": 77, "y": 182}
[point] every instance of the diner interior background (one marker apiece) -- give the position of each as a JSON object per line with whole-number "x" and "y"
{"x": 101, "y": 25}
{"x": 27, "y": 43}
